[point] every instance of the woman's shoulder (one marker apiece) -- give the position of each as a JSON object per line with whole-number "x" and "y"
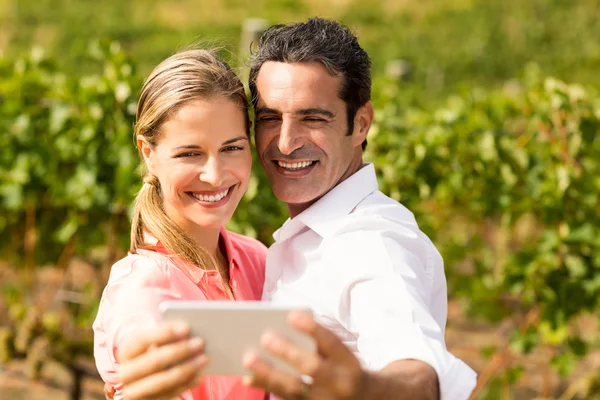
{"x": 139, "y": 282}
{"x": 142, "y": 268}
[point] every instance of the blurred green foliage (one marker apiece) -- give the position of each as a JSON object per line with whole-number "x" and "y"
{"x": 68, "y": 150}
{"x": 447, "y": 43}
{"x": 498, "y": 160}
{"x": 506, "y": 182}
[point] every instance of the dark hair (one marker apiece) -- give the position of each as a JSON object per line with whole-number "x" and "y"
{"x": 324, "y": 41}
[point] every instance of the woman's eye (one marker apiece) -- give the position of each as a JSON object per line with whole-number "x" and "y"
{"x": 233, "y": 148}
{"x": 182, "y": 155}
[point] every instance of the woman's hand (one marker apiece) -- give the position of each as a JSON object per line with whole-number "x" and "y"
{"x": 160, "y": 363}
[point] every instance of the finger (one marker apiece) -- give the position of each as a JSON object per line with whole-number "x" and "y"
{"x": 109, "y": 391}
{"x": 164, "y": 333}
{"x": 265, "y": 376}
{"x": 169, "y": 383}
{"x": 327, "y": 342}
{"x": 159, "y": 359}
{"x": 330, "y": 377}
{"x": 304, "y": 361}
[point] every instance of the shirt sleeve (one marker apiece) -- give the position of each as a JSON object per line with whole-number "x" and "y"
{"x": 389, "y": 299}
{"x": 134, "y": 300}
{"x": 130, "y": 302}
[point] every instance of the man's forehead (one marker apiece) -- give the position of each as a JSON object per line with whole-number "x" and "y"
{"x": 295, "y": 84}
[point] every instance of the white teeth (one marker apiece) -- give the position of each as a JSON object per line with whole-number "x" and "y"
{"x": 294, "y": 166}
{"x": 211, "y": 198}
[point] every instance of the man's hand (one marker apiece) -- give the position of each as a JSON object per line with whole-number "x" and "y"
{"x": 160, "y": 363}
{"x": 336, "y": 373}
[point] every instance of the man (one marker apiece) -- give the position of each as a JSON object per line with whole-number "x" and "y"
{"x": 374, "y": 281}
{"x": 354, "y": 255}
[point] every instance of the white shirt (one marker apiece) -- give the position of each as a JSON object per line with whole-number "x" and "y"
{"x": 359, "y": 260}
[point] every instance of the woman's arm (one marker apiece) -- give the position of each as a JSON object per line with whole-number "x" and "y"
{"x": 136, "y": 354}
{"x": 161, "y": 362}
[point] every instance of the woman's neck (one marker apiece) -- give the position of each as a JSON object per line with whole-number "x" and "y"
{"x": 208, "y": 239}
{"x": 205, "y": 238}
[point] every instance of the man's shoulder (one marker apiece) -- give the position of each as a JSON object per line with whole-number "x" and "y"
{"x": 382, "y": 219}
{"x": 378, "y": 234}
{"x": 378, "y": 211}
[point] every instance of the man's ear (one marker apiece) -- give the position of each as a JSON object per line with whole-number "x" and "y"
{"x": 362, "y": 122}
{"x": 147, "y": 152}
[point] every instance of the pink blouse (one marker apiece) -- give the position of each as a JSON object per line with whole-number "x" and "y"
{"x": 140, "y": 282}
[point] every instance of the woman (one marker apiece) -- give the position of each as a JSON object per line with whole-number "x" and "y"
{"x": 192, "y": 131}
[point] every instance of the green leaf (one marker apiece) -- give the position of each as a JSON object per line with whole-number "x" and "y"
{"x": 564, "y": 363}
{"x": 59, "y": 115}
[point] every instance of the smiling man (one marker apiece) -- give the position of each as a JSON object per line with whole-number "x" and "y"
{"x": 375, "y": 282}
{"x": 302, "y": 132}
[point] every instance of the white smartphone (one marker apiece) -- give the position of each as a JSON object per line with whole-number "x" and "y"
{"x": 231, "y": 328}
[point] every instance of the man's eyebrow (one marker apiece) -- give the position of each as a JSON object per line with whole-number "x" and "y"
{"x": 304, "y": 111}
{"x": 317, "y": 111}
{"x": 266, "y": 110}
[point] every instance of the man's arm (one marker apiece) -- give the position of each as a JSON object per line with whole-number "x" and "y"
{"x": 336, "y": 373}
{"x": 380, "y": 290}
{"x": 404, "y": 379}
{"x": 393, "y": 292}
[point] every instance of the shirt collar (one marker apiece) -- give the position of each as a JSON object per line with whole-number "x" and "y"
{"x": 337, "y": 203}
{"x": 231, "y": 252}
{"x": 192, "y": 271}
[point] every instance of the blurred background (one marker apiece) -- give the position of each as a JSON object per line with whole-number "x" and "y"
{"x": 487, "y": 122}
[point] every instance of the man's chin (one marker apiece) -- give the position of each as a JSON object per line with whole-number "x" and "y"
{"x": 295, "y": 197}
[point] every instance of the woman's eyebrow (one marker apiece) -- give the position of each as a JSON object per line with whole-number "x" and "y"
{"x": 235, "y": 139}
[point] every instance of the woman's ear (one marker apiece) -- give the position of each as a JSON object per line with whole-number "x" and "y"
{"x": 147, "y": 152}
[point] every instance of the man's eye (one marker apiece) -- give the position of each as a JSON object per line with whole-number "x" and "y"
{"x": 314, "y": 119}
{"x": 266, "y": 119}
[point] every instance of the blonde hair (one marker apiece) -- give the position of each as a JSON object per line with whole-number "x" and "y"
{"x": 183, "y": 77}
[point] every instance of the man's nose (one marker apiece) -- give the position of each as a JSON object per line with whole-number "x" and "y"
{"x": 290, "y": 138}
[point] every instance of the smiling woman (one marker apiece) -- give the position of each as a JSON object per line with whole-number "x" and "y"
{"x": 181, "y": 106}
{"x": 202, "y": 161}
{"x": 192, "y": 133}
